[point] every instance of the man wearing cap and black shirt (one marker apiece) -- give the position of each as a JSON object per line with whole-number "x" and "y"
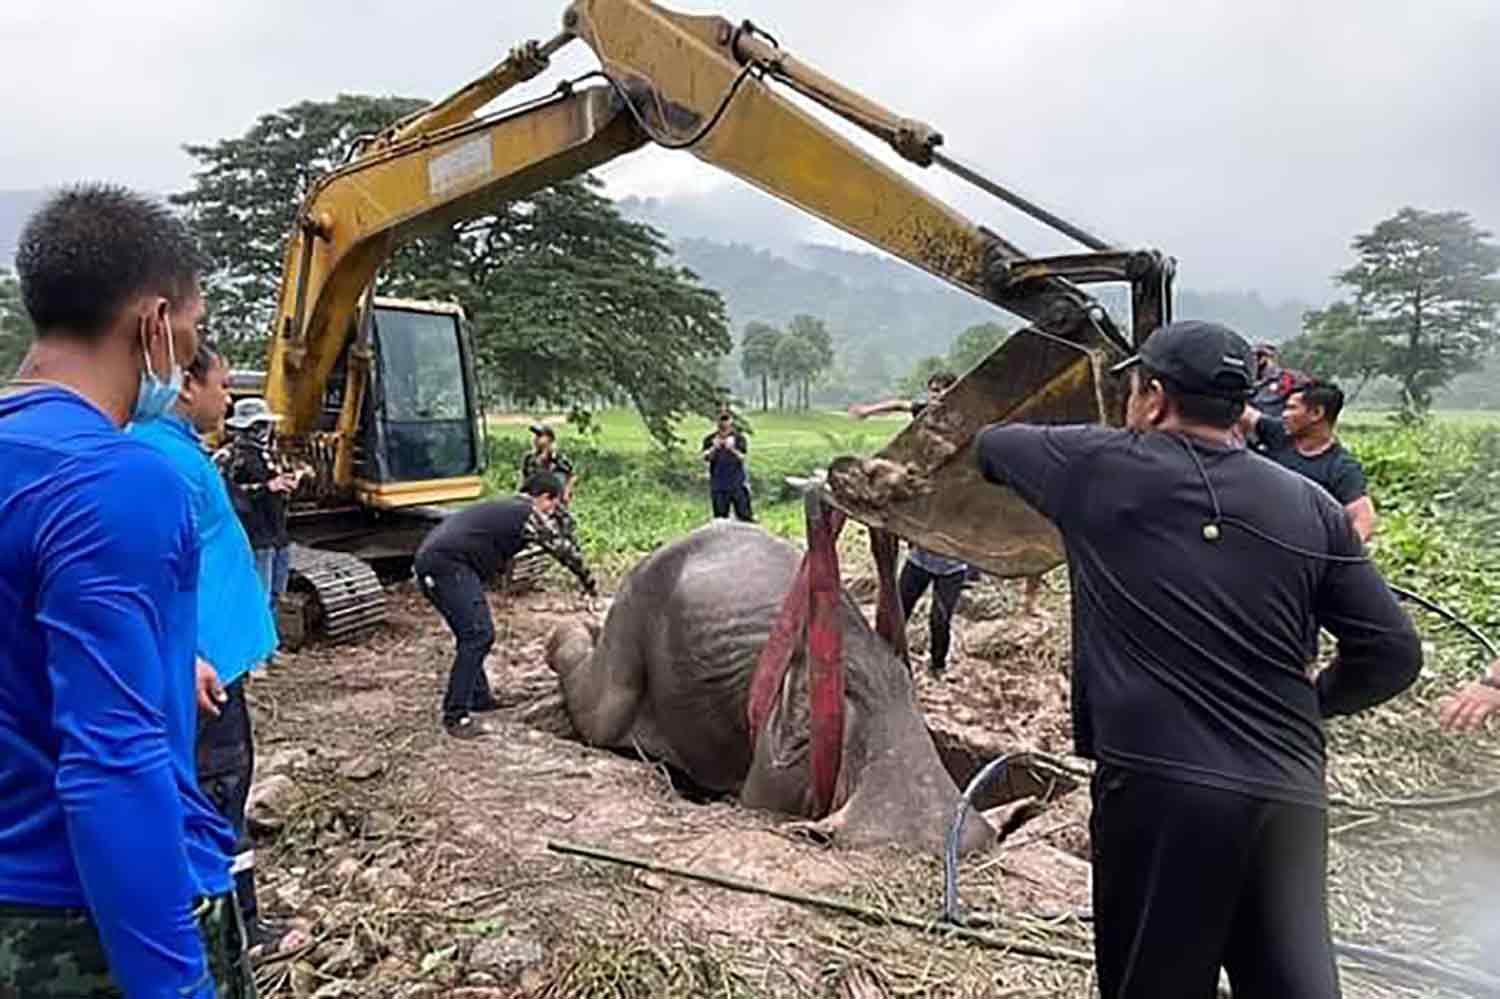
{"x": 1273, "y": 383}
{"x": 1201, "y": 575}
{"x": 1302, "y": 439}
{"x": 456, "y": 558}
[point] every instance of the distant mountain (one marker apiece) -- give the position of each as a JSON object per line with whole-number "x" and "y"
{"x": 746, "y": 245}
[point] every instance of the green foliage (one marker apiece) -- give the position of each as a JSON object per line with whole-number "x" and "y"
{"x": 15, "y": 325}
{"x": 1436, "y": 485}
{"x": 1425, "y": 303}
{"x": 570, "y": 301}
{"x": 915, "y": 384}
{"x": 571, "y": 304}
{"x": 975, "y": 344}
{"x": 1336, "y": 346}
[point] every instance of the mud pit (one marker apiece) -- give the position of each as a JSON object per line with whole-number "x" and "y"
{"x": 419, "y": 864}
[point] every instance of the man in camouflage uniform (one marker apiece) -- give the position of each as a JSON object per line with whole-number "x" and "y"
{"x": 545, "y": 457}
{"x": 57, "y": 954}
{"x": 453, "y": 563}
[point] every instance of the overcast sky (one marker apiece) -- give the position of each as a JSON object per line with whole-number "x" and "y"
{"x": 1249, "y": 140}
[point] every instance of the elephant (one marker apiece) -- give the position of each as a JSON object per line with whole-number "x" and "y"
{"x": 669, "y": 672}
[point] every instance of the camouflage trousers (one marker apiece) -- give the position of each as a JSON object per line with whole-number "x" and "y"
{"x": 56, "y": 953}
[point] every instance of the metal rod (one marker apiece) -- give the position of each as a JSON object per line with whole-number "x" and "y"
{"x": 1013, "y": 199}
{"x": 993, "y": 769}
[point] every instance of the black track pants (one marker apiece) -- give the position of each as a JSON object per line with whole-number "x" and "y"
{"x": 945, "y": 592}
{"x": 226, "y": 764}
{"x": 458, "y": 594}
{"x": 1189, "y": 879}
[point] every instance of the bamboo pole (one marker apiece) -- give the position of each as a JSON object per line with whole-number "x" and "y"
{"x": 860, "y": 912}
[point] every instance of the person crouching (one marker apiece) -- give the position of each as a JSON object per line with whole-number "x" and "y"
{"x": 452, "y": 565}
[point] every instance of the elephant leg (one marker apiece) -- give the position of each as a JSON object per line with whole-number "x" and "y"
{"x": 603, "y": 676}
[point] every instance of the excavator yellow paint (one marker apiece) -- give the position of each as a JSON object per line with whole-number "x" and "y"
{"x": 394, "y": 495}
{"x": 702, "y": 84}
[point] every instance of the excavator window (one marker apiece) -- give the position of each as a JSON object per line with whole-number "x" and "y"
{"x": 425, "y": 405}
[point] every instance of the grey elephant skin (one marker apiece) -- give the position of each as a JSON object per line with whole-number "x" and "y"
{"x": 669, "y": 672}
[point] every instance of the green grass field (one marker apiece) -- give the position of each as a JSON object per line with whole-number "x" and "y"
{"x": 621, "y": 430}
{"x": 633, "y": 496}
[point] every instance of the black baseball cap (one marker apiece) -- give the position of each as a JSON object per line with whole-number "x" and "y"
{"x": 1200, "y": 358}
{"x": 541, "y": 429}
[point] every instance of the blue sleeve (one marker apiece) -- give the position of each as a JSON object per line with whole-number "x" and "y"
{"x": 1033, "y": 460}
{"x": 107, "y": 565}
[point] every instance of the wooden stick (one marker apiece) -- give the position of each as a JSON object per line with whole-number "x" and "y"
{"x": 864, "y": 913}
{"x": 1446, "y": 801}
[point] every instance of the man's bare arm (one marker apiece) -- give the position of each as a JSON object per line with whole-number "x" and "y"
{"x": 860, "y": 412}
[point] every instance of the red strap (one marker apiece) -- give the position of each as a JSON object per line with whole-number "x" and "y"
{"x": 890, "y": 619}
{"x": 810, "y": 608}
{"x": 825, "y": 644}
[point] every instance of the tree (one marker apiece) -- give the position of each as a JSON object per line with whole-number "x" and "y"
{"x": 1425, "y": 300}
{"x": 245, "y": 198}
{"x": 15, "y": 326}
{"x": 975, "y": 344}
{"x": 758, "y": 356}
{"x": 1336, "y": 345}
{"x": 570, "y": 302}
{"x": 796, "y": 359}
{"x": 916, "y": 382}
{"x": 817, "y": 355}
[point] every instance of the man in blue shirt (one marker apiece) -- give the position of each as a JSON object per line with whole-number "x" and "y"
{"x": 114, "y": 874}
{"x": 235, "y": 629}
{"x": 725, "y": 451}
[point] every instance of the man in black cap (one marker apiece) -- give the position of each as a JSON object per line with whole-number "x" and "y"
{"x": 452, "y": 564}
{"x": 1201, "y": 575}
{"x": 1274, "y": 384}
{"x": 545, "y": 457}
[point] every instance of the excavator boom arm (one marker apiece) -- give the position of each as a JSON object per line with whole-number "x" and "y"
{"x": 702, "y": 84}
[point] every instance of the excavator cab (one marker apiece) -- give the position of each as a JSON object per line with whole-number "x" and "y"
{"x": 418, "y": 442}
{"x": 420, "y": 438}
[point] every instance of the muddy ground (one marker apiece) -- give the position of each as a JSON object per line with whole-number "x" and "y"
{"x": 421, "y": 867}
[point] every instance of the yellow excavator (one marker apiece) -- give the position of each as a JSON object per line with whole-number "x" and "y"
{"x": 379, "y": 396}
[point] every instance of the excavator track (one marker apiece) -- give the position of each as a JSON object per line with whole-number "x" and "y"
{"x": 331, "y": 595}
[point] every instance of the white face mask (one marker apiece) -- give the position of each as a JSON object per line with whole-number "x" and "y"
{"x": 155, "y": 396}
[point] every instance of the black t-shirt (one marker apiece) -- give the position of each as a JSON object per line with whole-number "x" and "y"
{"x": 1190, "y": 656}
{"x": 262, "y": 511}
{"x": 726, "y": 472}
{"x": 1335, "y": 469}
{"x": 483, "y": 536}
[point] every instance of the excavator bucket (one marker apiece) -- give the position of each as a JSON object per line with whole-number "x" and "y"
{"x": 925, "y": 484}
